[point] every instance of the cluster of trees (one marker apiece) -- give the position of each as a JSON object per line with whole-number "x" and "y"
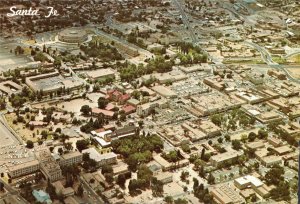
{"x": 190, "y": 54}
{"x": 282, "y": 134}
{"x": 201, "y": 193}
{"x": 102, "y": 102}
{"x": 173, "y": 156}
{"x": 145, "y": 180}
{"x": 93, "y": 124}
{"x": 19, "y": 50}
{"x": 102, "y": 51}
{"x": 133, "y": 38}
{"x": 275, "y": 176}
{"x": 170, "y": 200}
{"x": 88, "y": 163}
{"x": 71, "y": 173}
{"x": 232, "y": 119}
{"x": 39, "y": 56}
{"x": 82, "y": 144}
{"x": 121, "y": 179}
{"x": 137, "y": 150}
{"x": 26, "y": 192}
{"x": 129, "y": 72}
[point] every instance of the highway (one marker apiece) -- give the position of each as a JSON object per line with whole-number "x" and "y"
{"x": 124, "y": 42}
{"x": 268, "y": 59}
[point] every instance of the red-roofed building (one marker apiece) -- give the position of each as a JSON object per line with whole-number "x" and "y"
{"x": 128, "y": 109}
{"x": 117, "y": 96}
{"x": 110, "y": 107}
{"x": 106, "y": 113}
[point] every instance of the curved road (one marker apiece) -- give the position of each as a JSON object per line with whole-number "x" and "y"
{"x": 268, "y": 59}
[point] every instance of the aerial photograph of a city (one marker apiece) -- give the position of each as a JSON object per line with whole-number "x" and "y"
{"x": 149, "y": 101}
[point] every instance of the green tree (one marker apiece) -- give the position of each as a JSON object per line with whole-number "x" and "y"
{"x": 86, "y": 110}
{"x": 169, "y": 199}
{"x": 102, "y": 102}
{"x": 275, "y": 175}
{"x": 29, "y": 144}
{"x": 236, "y": 144}
{"x": 82, "y": 144}
{"x": 80, "y": 190}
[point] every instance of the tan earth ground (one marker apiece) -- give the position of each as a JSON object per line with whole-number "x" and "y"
{"x": 20, "y": 128}
{"x": 295, "y": 72}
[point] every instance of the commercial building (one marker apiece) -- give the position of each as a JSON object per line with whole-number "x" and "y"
{"x": 164, "y": 177}
{"x": 145, "y": 109}
{"x": 247, "y": 181}
{"x": 164, "y": 91}
{"x": 48, "y": 166}
{"x": 101, "y": 159}
{"x": 291, "y": 129}
{"x": 224, "y": 194}
{"x": 61, "y": 190}
{"x": 52, "y": 82}
{"x": 229, "y": 156}
{"x": 207, "y": 104}
{"x": 100, "y": 74}
{"x": 98, "y": 112}
{"x": 10, "y": 87}
{"x": 71, "y": 158}
{"x": 23, "y": 169}
{"x": 271, "y": 160}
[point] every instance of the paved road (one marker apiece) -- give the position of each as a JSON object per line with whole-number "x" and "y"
{"x": 122, "y": 41}
{"x": 13, "y": 191}
{"x": 268, "y": 59}
{"x": 91, "y": 191}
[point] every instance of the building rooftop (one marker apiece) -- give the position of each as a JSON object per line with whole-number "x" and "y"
{"x": 23, "y": 165}
{"x": 94, "y": 154}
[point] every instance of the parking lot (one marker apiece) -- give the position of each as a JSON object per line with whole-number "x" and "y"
{"x": 13, "y": 155}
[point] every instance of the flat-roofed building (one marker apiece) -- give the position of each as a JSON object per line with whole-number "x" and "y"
{"x": 229, "y": 156}
{"x": 274, "y": 141}
{"x": 48, "y": 166}
{"x": 52, "y": 82}
{"x": 164, "y": 91}
{"x": 255, "y": 145}
{"x": 264, "y": 190}
{"x": 224, "y": 194}
{"x": 10, "y": 87}
{"x": 209, "y": 128}
{"x": 101, "y": 159}
{"x": 99, "y": 112}
{"x": 71, "y": 158}
{"x": 164, "y": 177}
{"x": 246, "y": 181}
{"x": 292, "y": 129}
{"x": 61, "y": 190}
{"x": 271, "y": 160}
{"x": 283, "y": 150}
{"x": 100, "y": 74}
{"x": 192, "y": 131}
{"x": 145, "y": 109}
{"x": 215, "y": 82}
{"x": 23, "y": 169}
{"x": 208, "y": 104}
